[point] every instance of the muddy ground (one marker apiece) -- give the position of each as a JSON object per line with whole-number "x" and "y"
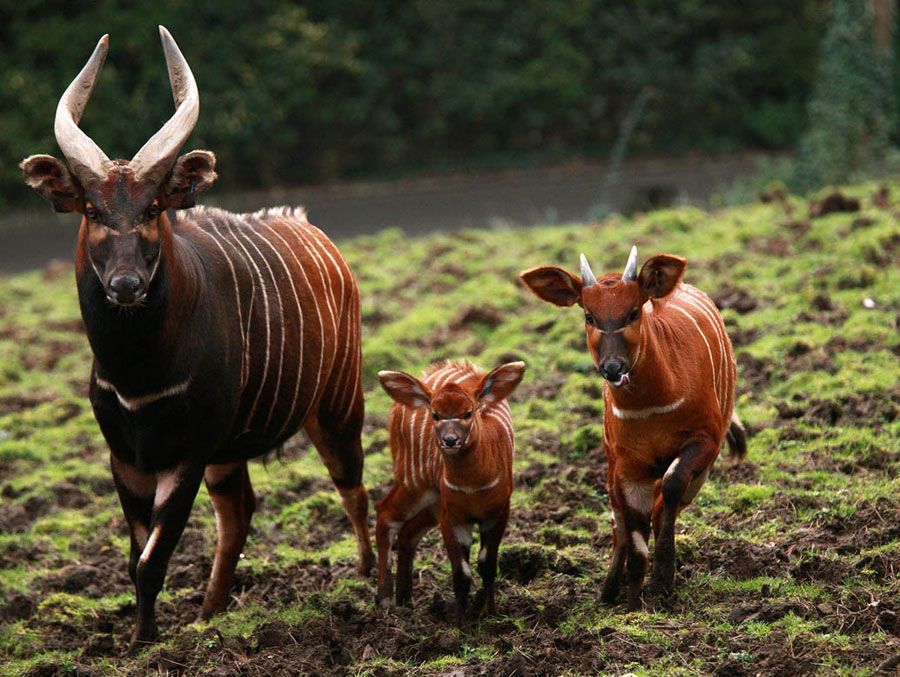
{"x": 788, "y": 562}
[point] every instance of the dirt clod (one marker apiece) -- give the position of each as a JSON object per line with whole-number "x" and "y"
{"x": 835, "y": 201}
{"x": 739, "y": 299}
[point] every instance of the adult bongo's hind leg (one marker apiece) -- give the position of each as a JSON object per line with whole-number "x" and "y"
{"x": 337, "y": 438}
{"x": 234, "y": 502}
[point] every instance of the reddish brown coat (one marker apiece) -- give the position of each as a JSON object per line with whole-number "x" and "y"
{"x": 468, "y": 483}
{"x": 668, "y": 399}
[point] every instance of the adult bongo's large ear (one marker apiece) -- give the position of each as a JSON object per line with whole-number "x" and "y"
{"x": 405, "y": 388}
{"x": 553, "y": 284}
{"x": 661, "y": 274}
{"x": 53, "y": 181}
{"x": 192, "y": 175}
{"x": 499, "y": 384}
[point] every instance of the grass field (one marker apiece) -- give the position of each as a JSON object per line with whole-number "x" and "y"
{"x": 788, "y": 563}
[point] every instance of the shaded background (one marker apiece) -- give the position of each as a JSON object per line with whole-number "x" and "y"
{"x": 294, "y": 97}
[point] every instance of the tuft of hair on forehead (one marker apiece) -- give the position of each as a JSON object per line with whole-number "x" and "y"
{"x": 451, "y": 389}
{"x": 611, "y": 280}
{"x": 462, "y": 365}
{"x": 452, "y": 398}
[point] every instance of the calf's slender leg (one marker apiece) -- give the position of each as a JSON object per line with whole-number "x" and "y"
{"x": 614, "y": 575}
{"x": 491, "y": 535}
{"x": 387, "y": 524}
{"x": 613, "y": 582}
{"x": 407, "y": 542}
{"x": 458, "y": 541}
{"x": 680, "y": 484}
{"x": 636, "y": 499}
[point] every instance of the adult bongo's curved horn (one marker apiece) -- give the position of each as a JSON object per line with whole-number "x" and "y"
{"x": 154, "y": 160}
{"x": 84, "y": 155}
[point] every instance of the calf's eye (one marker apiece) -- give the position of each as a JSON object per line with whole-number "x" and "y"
{"x": 589, "y": 319}
{"x": 467, "y": 416}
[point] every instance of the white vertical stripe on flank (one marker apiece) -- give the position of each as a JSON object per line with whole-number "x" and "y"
{"x": 717, "y": 372}
{"x": 703, "y": 302}
{"x": 293, "y": 409}
{"x": 423, "y": 450}
{"x": 265, "y": 296}
{"x": 315, "y": 298}
{"x": 277, "y": 390}
{"x": 339, "y": 381}
{"x": 703, "y": 336}
{"x": 688, "y": 299}
{"x": 352, "y": 379}
{"x": 245, "y": 375}
{"x": 325, "y": 245}
{"x": 237, "y": 294}
{"x": 268, "y": 318}
{"x": 410, "y": 459}
{"x": 327, "y": 288}
{"x": 398, "y": 460}
{"x": 340, "y": 270}
{"x": 316, "y": 250}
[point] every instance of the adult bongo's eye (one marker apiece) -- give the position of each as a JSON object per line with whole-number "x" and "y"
{"x": 633, "y": 316}
{"x": 467, "y": 416}
{"x": 153, "y": 211}
{"x": 436, "y": 417}
{"x": 589, "y": 319}
{"x": 91, "y": 214}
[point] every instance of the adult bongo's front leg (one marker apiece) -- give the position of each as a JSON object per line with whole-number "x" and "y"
{"x": 176, "y": 489}
{"x": 458, "y": 540}
{"x": 234, "y": 502}
{"x": 135, "y": 490}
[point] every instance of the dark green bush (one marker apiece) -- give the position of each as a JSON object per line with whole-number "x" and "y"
{"x": 343, "y": 88}
{"x": 852, "y": 111}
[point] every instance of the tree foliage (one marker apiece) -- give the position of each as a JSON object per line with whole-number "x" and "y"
{"x": 852, "y": 110}
{"x": 342, "y": 88}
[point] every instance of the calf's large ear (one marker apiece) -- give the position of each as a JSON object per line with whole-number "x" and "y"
{"x": 500, "y": 383}
{"x": 191, "y": 176}
{"x": 405, "y": 389}
{"x": 53, "y": 181}
{"x": 661, "y": 274}
{"x": 553, "y": 284}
